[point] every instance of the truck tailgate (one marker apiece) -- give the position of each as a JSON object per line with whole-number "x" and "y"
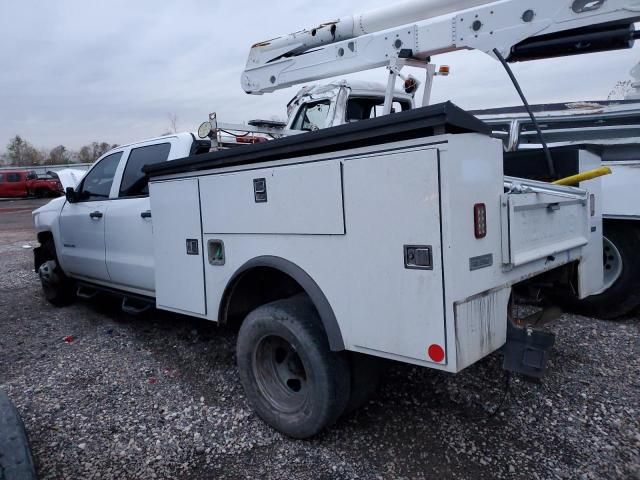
{"x": 540, "y": 220}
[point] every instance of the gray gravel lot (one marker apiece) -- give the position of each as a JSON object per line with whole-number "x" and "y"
{"x": 159, "y": 397}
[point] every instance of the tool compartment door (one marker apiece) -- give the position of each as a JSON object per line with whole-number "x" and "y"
{"x": 543, "y": 221}
{"x": 177, "y": 245}
{"x": 392, "y": 206}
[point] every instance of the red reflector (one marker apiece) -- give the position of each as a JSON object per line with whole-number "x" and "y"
{"x": 436, "y": 353}
{"x": 480, "y": 220}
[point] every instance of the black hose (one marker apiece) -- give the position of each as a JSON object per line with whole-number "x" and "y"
{"x": 545, "y": 147}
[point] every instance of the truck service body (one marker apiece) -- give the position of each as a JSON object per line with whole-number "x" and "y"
{"x": 351, "y": 236}
{"x": 352, "y": 218}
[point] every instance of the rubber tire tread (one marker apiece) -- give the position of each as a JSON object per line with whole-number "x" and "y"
{"x": 296, "y": 320}
{"x": 65, "y": 295}
{"x": 16, "y": 461}
{"x": 624, "y": 295}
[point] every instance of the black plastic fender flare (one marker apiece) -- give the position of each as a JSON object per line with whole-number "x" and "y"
{"x": 307, "y": 283}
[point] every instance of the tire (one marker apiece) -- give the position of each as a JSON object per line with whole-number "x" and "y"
{"x": 291, "y": 377}
{"x": 366, "y": 373}
{"x": 57, "y": 287}
{"x": 16, "y": 462}
{"x": 623, "y": 294}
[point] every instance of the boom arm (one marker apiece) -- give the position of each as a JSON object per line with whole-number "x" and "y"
{"x": 417, "y": 29}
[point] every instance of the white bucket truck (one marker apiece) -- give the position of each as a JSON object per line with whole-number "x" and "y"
{"x": 397, "y": 237}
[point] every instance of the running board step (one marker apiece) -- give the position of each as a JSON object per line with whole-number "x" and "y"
{"x": 135, "y": 306}
{"x": 86, "y": 292}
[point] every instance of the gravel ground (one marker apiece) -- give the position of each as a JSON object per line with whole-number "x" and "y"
{"x": 159, "y": 397}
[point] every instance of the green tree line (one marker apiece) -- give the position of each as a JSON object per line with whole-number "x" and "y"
{"x": 20, "y": 152}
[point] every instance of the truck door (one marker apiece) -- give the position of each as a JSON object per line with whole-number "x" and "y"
{"x": 128, "y": 227}
{"x": 16, "y": 185}
{"x": 82, "y": 222}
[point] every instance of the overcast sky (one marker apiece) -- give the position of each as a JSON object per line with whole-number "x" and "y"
{"x": 76, "y": 71}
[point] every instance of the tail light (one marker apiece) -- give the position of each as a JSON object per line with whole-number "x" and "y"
{"x": 592, "y": 204}
{"x": 480, "y": 220}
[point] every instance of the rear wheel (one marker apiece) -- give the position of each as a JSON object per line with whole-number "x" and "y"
{"x": 621, "y": 290}
{"x": 291, "y": 377}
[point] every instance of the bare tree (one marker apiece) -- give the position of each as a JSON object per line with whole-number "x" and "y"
{"x": 58, "y": 156}
{"x": 21, "y": 152}
{"x": 90, "y": 153}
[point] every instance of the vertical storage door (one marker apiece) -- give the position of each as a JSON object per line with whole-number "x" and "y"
{"x": 177, "y": 246}
{"x": 395, "y": 297}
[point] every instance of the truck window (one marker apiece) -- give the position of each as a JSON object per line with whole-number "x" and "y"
{"x": 13, "y": 177}
{"x": 365, "y": 108}
{"x": 134, "y": 182}
{"x": 1, "y": 177}
{"x": 312, "y": 116}
{"x": 97, "y": 183}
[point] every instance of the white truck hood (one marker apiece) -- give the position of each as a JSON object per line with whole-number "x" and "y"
{"x": 69, "y": 177}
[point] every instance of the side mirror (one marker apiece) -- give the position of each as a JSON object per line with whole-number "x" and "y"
{"x": 71, "y": 195}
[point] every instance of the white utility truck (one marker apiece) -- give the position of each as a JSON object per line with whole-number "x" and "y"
{"x": 609, "y": 130}
{"x": 395, "y": 237}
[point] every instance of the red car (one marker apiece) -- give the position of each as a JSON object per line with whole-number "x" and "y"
{"x": 25, "y": 183}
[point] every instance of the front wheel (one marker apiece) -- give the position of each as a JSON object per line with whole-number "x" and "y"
{"x": 291, "y": 377}
{"x": 57, "y": 288}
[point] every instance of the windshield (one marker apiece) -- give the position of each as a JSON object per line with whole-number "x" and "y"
{"x": 312, "y": 116}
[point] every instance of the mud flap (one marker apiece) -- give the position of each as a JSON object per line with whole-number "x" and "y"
{"x": 527, "y": 351}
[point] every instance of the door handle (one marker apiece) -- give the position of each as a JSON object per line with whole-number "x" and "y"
{"x": 146, "y": 214}
{"x": 96, "y": 215}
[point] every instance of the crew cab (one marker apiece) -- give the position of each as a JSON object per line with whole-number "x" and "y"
{"x": 387, "y": 238}
{"x": 102, "y": 233}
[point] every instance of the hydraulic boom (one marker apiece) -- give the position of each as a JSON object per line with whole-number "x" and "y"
{"x": 411, "y": 32}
